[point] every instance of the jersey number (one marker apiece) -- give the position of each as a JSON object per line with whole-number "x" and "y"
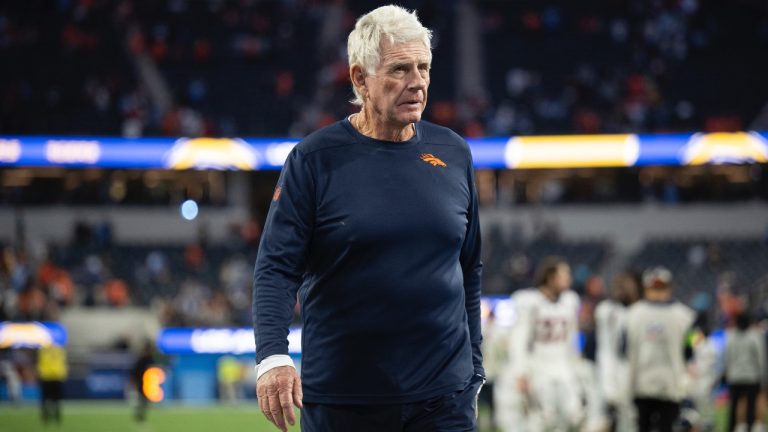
{"x": 551, "y": 330}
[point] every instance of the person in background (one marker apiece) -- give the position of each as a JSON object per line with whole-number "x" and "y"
{"x": 744, "y": 374}
{"x": 613, "y": 370}
{"x": 143, "y": 362}
{"x": 10, "y": 375}
{"x": 229, "y": 372}
{"x": 592, "y": 296}
{"x": 495, "y": 348}
{"x": 540, "y": 388}
{"x": 704, "y": 373}
{"x": 52, "y": 371}
{"x": 657, "y": 351}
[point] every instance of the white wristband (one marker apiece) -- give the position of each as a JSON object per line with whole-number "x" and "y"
{"x": 271, "y": 362}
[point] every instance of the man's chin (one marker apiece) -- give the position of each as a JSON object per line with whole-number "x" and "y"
{"x": 410, "y": 118}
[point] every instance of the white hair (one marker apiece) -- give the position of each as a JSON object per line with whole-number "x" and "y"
{"x": 394, "y": 23}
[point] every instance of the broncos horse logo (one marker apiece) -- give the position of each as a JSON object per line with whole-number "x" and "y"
{"x": 432, "y": 159}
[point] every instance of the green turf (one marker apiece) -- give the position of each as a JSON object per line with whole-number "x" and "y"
{"x": 116, "y": 417}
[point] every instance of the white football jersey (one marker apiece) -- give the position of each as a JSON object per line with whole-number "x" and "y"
{"x": 656, "y": 334}
{"x": 611, "y": 323}
{"x": 544, "y": 331}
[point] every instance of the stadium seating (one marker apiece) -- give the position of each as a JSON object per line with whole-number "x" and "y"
{"x": 709, "y": 264}
{"x": 279, "y": 68}
{"x": 164, "y": 272}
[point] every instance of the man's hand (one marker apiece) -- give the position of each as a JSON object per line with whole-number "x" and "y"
{"x": 278, "y": 390}
{"x": 522, "y": 385}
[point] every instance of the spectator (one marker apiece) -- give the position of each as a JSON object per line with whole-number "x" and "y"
{"x": 745, "y": 374}
{"x": 52, "y": 371}
{"x": 656, "y": 336}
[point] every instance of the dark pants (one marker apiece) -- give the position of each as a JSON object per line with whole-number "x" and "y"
{"x": 453, "y": 412}
{"x": 656, "y": 414}
{"x": 737, "y": 392}
{"x": 141, "y": 408}
{"x": 613, "y": 414}
{"x": 51, "y": 393}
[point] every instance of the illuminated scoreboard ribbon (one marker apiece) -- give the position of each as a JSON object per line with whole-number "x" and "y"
{"x": 521, "y": 152}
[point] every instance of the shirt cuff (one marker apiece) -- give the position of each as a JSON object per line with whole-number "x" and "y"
{"x": 482, "y": 383}
{"x": 271, "y": 362}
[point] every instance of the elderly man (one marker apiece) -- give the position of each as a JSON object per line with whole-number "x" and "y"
{"x": 374, "y": 223}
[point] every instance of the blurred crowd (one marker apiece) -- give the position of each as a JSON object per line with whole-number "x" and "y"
{"x": 279, "y": 67}
{"x": 632, "y": 66}
{"x": 194, "y": 285}
{"x": 209, "y": 285}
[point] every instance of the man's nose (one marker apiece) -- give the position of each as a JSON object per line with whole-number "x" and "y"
{"x": 417, "y": 81}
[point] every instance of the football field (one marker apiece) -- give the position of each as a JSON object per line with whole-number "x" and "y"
{"x": 117, "y": 417}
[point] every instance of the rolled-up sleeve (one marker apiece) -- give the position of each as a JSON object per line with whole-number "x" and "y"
{"x": 282, "y": 256}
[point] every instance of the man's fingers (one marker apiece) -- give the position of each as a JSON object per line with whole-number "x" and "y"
{"x": 277, "y": 412}
{"x": 286, "y": 399}
{"x": 265, "y": 410}
{"x": 264, "y": 405}
{"x": 285, "y": 394}
{"x": 298, "y": 396}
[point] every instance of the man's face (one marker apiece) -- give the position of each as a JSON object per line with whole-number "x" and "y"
{"x": 627, "y": 290}
{"x": 398, "y": 91}
{"x": 561, "y": 280}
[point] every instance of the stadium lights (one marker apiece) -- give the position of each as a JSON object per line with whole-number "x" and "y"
{"x": 189, "y": 210}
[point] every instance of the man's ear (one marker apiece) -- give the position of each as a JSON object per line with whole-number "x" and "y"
{"x": 357, "y": 76}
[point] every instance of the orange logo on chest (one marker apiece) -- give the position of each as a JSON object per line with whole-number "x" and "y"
{"x": 432, "y": 159}
{"x": 276, "y": 195}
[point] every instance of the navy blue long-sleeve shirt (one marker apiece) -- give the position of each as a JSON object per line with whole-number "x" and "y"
{"x": 381, "y": 240}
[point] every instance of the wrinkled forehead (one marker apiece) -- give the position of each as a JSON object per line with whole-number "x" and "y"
{"x": 414, "y": 50}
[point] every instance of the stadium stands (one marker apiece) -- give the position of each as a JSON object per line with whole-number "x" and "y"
{"x": 193, "y": 283}
{"x": 711, "y": 265}
{"x": 509, "y": 263}
{"x": 278, "y": 68}
{"x": 629, "y": 66}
